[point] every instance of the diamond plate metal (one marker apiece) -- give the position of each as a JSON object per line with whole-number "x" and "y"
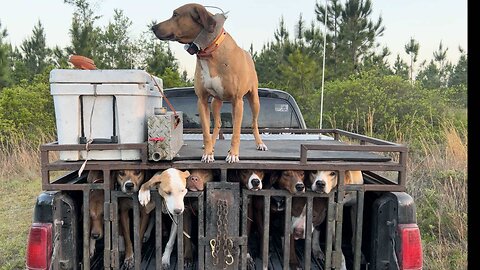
{"x": 164, "y": 137}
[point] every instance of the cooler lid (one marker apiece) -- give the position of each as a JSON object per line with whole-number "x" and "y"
{"x": 107, "y": 76}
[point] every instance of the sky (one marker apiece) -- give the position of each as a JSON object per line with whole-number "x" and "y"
{"x": 429, "y": 22}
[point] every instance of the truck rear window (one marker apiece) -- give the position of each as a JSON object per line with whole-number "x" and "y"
{"x": 274, "y": 113}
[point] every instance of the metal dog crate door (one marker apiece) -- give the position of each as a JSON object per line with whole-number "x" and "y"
{"x": 103, "y": 106}
{"x": 165, "y": 136}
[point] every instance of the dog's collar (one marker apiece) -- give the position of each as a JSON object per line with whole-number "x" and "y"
{"x": 98, "y": 180}
{"x": 207, "y": 52}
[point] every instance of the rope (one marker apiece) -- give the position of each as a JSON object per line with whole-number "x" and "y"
{"x": 90, "y": 140}
{"x": 163, "y": 95}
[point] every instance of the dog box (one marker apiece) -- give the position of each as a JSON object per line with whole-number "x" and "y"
{"x": 165, "y": 135}
{"x": 103, "y": 106}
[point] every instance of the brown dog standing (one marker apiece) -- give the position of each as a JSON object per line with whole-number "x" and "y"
{"x": 224, "y": 71}
{"x": 96, "y": 198}
{"x": 129, "y": 182}
{"x": 195, "y": 182}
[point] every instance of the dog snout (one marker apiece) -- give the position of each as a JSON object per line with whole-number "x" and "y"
{"x": 299, "y": 233}
{"x": 194, "y": 178}
{"x": 177, "y": 211}
{"x": 300, "y": 187}
{"x": 129, "y": 186}
{"x": 255, "y": 182}
{"x": 320, "y": 185}
{"x": 95, "y": 236}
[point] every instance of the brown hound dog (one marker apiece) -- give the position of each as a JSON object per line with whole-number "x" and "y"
{"x": 130, "y": 182}
{"x": 291, "y": 181}
{"x": 195, "y": 182}
{"x": 223, "y": 70}
{"x": 96, "y": 200}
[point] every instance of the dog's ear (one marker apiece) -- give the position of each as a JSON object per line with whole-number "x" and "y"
{"x": 153, "y": 182}
{"x": 201, "y": 15}
{"x": 273, "y": 178}
{"x": 185, "y": 174}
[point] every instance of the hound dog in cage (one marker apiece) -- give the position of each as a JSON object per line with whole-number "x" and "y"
{"x": 129, "y": 182}
{"x": 171, "y": 184}
{"x": 324, "y": 182}
{"x": 96, "y": 200}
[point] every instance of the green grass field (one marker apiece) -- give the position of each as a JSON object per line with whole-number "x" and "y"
{"x": 17, "y": 198}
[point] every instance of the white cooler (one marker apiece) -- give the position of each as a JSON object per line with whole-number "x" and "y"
{"x": 103, "y": 106}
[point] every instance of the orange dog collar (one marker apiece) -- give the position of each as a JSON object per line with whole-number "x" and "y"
{"x": 207, "y": 52}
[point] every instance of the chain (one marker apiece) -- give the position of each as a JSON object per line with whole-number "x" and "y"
{"x": 221, "y": 238}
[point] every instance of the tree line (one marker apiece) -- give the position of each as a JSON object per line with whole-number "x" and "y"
{"x": 363, "y": 91}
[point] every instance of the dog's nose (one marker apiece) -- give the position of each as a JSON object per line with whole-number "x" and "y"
{"x": 256, "y": 182}
{"x": 194, "y": 178}
{"x": 128, "y": 186}
{"x": 320, "y": 184}
{"x": 153, "y": 28}
{"x": 95, "y": 236}
{"x": 177, "y": 211}
{"x": 299, "y": 186}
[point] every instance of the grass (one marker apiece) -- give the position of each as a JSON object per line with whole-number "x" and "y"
{"x": 437, "y": 180}
{"x": 20, "y": 183}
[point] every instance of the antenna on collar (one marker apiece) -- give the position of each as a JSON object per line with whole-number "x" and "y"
{"x": 223, "y": 12}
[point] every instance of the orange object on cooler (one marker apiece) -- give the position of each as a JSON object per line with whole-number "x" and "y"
{"x": 81, "y": 62}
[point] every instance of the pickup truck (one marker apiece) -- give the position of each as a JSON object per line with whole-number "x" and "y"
{"x": 386, "y": 234}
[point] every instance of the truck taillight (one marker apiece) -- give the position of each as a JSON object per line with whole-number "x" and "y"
{"x": 39, "y": 246}
{"x": 411, "y": 252}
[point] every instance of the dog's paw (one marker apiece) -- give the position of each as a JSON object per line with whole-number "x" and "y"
{"x": 318, "y": 254}
{"x": 128, "y": 263}
{"x": 92, "y": 248}
{"x": 208, "y": 158}
{"x": 144, "y": 197}
{"x": 262, "y": 147}
{"x": 166, "y": 262}
{"x": 187, "y": 263}
{"x": 232, "y": 158}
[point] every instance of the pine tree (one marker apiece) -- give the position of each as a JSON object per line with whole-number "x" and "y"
{"x": 411, "y": 48}
{"x": 116, "y": 50}
{"x": 83, "y": 33}
{"x": 459, "y": 74}
{"x": 4, "y": 59}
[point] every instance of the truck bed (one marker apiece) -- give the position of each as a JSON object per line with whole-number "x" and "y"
{"x": 292, "y": 151}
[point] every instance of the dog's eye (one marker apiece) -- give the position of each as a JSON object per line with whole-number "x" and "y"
{"x": 137, "y": 172}
{"x": 121, "y": 173}
{"x": 332, "y": 173}
{"x": 168, "y": 192}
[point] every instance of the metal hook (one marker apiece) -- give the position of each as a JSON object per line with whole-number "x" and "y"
{"x": 212, "y": 246}
{"x": 229, "y": 262}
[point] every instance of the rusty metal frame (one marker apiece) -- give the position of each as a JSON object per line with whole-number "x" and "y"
{"x": 334, "y": 217}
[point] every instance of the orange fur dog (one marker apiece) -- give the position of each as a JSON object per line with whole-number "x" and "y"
{"x": 129, "y": 182}
{"x": 224, "y": 71}
{"x": 96, "y": 200}
{"x": 195, "y": 182}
